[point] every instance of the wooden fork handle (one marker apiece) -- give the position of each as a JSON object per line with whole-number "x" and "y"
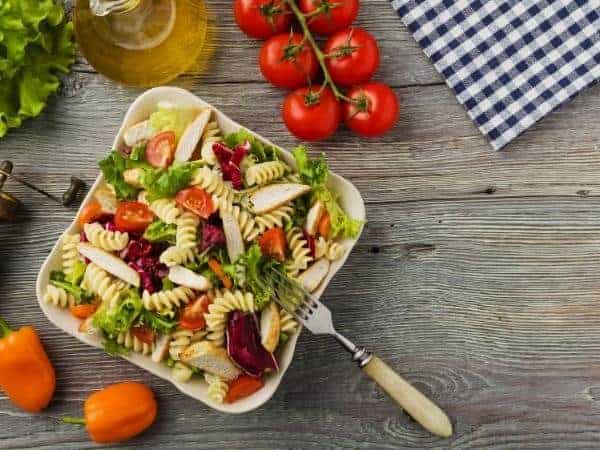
{"x": 420, "y": 408}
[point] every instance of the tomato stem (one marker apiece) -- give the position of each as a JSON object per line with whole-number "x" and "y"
{"x": 4, "y": 328}
{"x": 320, "y": 55}
{"x": 74, "y": 420}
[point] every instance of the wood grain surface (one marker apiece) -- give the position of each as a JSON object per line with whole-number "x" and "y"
{"x": 477, "y": 277}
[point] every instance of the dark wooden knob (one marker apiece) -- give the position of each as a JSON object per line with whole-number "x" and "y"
{"x": 9, "y": 206}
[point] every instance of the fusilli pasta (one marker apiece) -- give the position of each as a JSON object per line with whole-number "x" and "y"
{"x": 275, "y": 218}
{"x": 70, "y": 254}
{"x": 131, "y": 342}
{"x": 181, "y": 339}
{"x": 211, "y": 135}
{"x": 58, "y": 297}
{"x": 164, "y": 302}
{"x": 102, "y": 284}
{"x": 300, "y": 252}
{"x": 287, "y": 322}
{"x": 106, "y": 240}
{"x": 265, "y": 172}
{"x": 225, "y": 302}
{"x": 328, "y": 249}
{"x": 212, "y": 182}
{"x": 217, "y": 387}
{"x": 246, "y": 222}
{"x": 187, "y": 227}
{"x": 181, "y": 372}
{"x": 166, "y": 210}
{"x": 173, "y": 256}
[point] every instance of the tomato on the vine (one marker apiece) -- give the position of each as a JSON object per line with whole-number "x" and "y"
{"x": 374, "y": 110}
{"x": 312, "y": 113}
{"x": 133, "y": 217}
{"x": 288, "y": 61}
{"x": 262, "y": 18}
{"x": 352, "y": 56}
{"x": 329, "y": 16}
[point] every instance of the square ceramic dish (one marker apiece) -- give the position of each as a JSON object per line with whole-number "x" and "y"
{"x": 141, "y": 108}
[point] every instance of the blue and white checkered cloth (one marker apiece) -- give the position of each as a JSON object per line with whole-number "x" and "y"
{"x": 509, "y": 62}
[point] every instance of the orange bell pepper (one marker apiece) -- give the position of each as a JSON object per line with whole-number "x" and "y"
{"x": 117, "y": 412}
{"x": 26, "y": 373}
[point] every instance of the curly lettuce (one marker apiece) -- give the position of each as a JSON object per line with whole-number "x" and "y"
{"x": 35, "y": 46}
{"x": 168, "y": 117}
{"x": 259, "y": 151}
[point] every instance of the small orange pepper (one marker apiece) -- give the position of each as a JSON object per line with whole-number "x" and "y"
{"x": 117, "y": 412}
{"x": 26, "y": 373}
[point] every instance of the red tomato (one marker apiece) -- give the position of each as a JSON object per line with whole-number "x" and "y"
{"x": 133, "y": 217}
{"x": 374, "y": 111}
{"x": 243, "y": 386}
{"x": 273, "y": 243}
{"x": 311, "y": 114}
{"x": 288, "y": 62}
{"x": 324, "y": 226}
{"x": 160, "y": 150}
{"x": 352, "y": 56}
{"x": 329, "y": 15}
{"x": 144, "y": 334}
{"x": 90, "y": 213}
{"x": 197, "y": 200}
{"x": 262, "y": 18}
{"x": 192, "y": 316}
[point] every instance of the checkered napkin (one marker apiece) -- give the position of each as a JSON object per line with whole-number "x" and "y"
{"x": 509, "y": 62}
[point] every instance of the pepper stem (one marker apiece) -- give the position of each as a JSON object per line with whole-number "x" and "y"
{"x": 74, "y": 420}
{"x": 4, "y": 328}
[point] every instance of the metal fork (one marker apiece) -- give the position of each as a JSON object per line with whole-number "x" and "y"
{"x": 315, "y": 316}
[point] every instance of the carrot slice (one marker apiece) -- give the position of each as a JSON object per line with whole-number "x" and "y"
{"x": 84, "y": 310}
{"x": 216, "y": 267}
{"x": 324, "y": 226}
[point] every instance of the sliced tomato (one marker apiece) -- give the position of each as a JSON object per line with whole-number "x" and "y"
{"x": 133, "y": 217}
{"x": 197, "y": 200}
{"x": 273, "y": 243}
{"x": 192, "y": 316}
{"x": 243, "y": 386}
{"x": 324, "y": 226}
{"x": 144, "y": 334}
{"x": 84, "y": 310}
{"x": 91, "y": 213}
{"x": 216, "y": 267}
{"x": 160, "y": 150}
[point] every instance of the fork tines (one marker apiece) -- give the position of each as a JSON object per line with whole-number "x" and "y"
{"x": 290, "y": 295}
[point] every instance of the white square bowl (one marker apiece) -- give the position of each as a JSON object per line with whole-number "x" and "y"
{"x": 349, "y": 197}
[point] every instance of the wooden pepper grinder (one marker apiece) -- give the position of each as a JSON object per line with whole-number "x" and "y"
{"x": 9, "y": 205}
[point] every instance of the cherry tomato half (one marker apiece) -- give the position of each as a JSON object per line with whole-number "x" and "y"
{"x": 160, "y": 150}
{"x": 197, "y": 200}
{"x": 144, "y": 334}
{"x": 311, "y": 114}
{"x": 273, "y": 243}
{"x": 332, "y": 15}
{"x": 287, "y": 61}
{"x": 192, "y": 316}
{"x": 133, "y": 217}
{"x": 375, "y": 111}
{"x": 91, "y": 213}
{"x": 352, "y": 56}
{"x": 262, "y": 18}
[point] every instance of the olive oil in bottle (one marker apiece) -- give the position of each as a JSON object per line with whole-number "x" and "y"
{"x": 142, "y": 42}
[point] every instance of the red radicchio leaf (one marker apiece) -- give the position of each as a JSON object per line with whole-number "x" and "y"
{"x": 244, "y": 347}
{"x": 212, "y": 236}
{"x": 239, "y": 152}
{"x": 311, "y": 243}
{"x": 223, "y": 153}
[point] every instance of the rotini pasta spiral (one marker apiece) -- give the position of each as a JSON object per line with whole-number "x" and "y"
{"x": 58, "y": 297}
{"x": 166, "y": 210}
{"x": 181, "y": 339}
{"x": 300, "y": 252}
{"x": 106, "y": 240}
{"x": 217, "y": 387}
{"x": 131, "y": 342}
{"x": 103, "y": 285}
{"x": 287, "y": 322}
{"x": 187, "y": 227}
{"x": 70, "y": 254}
{"x": 212, "y": 182}
{"x": 246, "y": 222}
{"x": 225, "y": 302}
{"x": 293, "y": 177}
{"x": 181, "y": 372}
{"x": 275, "y": 218}
{"x": 328, "y": 249}
{"x": 165, "y": 302}
{"x": 211, "y": 135}
{"x": 173, "y": 256}
{"x": 265, "y": 172}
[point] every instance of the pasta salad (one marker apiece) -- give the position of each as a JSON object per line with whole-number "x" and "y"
{"x": 172, "y": 256}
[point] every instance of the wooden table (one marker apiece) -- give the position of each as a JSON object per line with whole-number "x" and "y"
{"x": 477, "y": 277}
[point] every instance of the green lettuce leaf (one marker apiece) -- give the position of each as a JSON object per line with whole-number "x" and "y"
{"x": 35, "y": 46}
{"x": 159, "y": 231}
{"x": 58, "y": 279}
{"x": 258, "y": 150}
{"x": 161, "y": 183}
{"x": 113, "y": 319}
{"x": 341, "y": 223}
{"x": 313, "y": 172}
{"x": 159, "y": 324}
{"x": 172, "y": 119}
{"x": 112, "y": 168}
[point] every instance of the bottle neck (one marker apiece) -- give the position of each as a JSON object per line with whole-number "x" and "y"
{"x": 106, "y": 7}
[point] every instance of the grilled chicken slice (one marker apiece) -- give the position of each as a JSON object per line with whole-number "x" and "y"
{"x": 270, "y": 327}
{"x": 188, "y": 278}
{"x": 233, "y": 236}
{"x": 312, "y": 218}
{"x": 312, "y": 277}
{"x": 161, "y": 348}
{"x": 109, "y": 262}
{"x": 191, "y": 136}
{"x": 138, "y": 133}
{"x": 273, "y": 196}
{"x": 210, "y": 358}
